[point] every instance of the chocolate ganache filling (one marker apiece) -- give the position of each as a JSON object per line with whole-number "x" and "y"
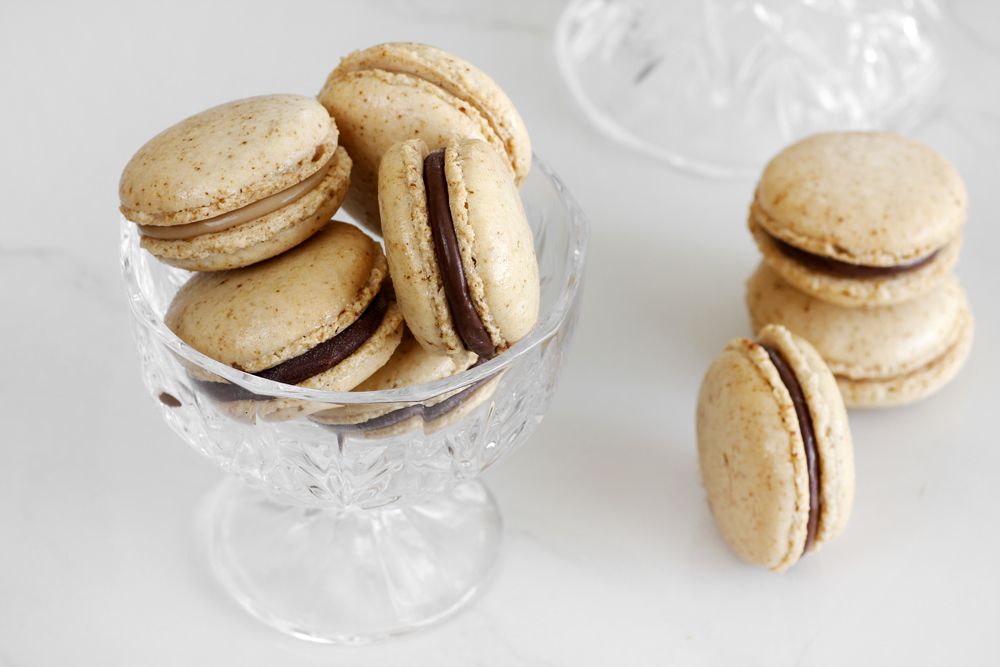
{"x": 313, "y": 361}
{"x": 428, "y": 413}
{"x": 468, "y": 324}
{"x": 808, "y": 440}
{"x": 835, "y": 267}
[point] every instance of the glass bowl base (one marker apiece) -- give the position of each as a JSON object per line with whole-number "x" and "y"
{"x": 352, "y": 576}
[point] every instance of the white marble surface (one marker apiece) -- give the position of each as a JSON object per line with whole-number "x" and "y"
{"x": 611, "y": 556}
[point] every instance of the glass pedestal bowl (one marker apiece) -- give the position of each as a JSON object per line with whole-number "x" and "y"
{"x": 351, "y": 517}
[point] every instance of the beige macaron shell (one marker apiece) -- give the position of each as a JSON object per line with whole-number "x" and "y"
{"x": 868, "y": 342}
{"x": 854, "y": 292}
{"x": 458, "y": 78}
{"x": 345, "y": 376}
{"x": 751, "y": 458}
{"x": 225, "y": 158}
{"x": 830, "y": 427}
{"x": 410, "y": 364}
{"x": 869, "y": 198}
{"x": 916, "y": 384}
{"x": 394, "y": 92}
{"x": 257, "y": 317}
{"x": 264, "y": 237}
{"x": 495, "y": 240}
{"x": 418, "y": 421}
{"x": 409, "y": 248}
{"x": 376, "y": 109}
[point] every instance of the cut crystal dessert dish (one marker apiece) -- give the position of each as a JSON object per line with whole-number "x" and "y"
{"x": 349, "y": 517}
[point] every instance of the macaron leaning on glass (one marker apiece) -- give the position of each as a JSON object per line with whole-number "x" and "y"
{"x": 774, "y": 448}
{"x": 412, "y": 364}
{"x": 880, "y": 355}
{"x": 319, "y": 316}
{"x": 236, "y": 184}
{"x": 393, "y": 92}
{"x": 859, "y": 218}
{"x": 459, "y": 247}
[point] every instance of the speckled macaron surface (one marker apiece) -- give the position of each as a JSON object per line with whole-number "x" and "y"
{"x": 859, "y": 218}
{"x": 493, "y": 237}
{"x": 393, "y": 92}
{"x": 880, "y": 355}
{"x": 752, "y": 449}
{"x": 274, "y": 160}
{"x": 273, "y": 312}
{"x": 410, "y": 364}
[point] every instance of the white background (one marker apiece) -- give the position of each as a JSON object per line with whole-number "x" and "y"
{"x": 611, "y": 556}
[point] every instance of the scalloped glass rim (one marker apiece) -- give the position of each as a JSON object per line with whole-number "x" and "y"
{"x": 579, "y": 235}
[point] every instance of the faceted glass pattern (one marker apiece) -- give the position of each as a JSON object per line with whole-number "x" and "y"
{"x": 718, "y": 86}
{"x": 340, "y": 534}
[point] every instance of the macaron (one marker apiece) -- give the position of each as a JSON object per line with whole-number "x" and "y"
{"x": 859, "y": 218}
{"x": 459, "y": 247}
{"x": 236, "y": 184}
{"x": 398, "y": 91}
{"x": 880, "y": 355}
{"x": 409, "y": 365}
{"x": 774, "y": 447}
{"x": 319, "y": 316}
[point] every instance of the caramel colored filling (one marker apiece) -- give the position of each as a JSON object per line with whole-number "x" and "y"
{"x": 240, "y": 216}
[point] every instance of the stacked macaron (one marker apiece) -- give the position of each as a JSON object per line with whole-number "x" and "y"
{"x": 854, "y": 304}
{"x": 424, "y": 148}
{"x": 860, "y": 232}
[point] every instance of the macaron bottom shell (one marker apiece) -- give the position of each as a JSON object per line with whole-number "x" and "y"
{"x": 265, "y": 237}
{"x": 386, "y": 421}
{"x": 915, "y": 385}
{"x": 880, "y": 355}
{"x": 345, "y": 376}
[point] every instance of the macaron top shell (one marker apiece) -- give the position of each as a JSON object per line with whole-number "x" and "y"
{"x": 869, "y": 198}
{"x": 395, "y": 92}
{"x": 259, "y": 316}
{"x": 752, "y": 453}
{"x": 457, "y": 78}
{"x": 225, "y": 158}
{"x": 866, "y": 342}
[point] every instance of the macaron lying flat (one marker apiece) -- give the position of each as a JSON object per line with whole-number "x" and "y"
{"x": 459, "y": 246}
{"x": 774, "y": 447}
{"x": 409, "y": 365}
{"x": 860, "y": 218}
{"x": 398, "y": 91}
{"x": 880, "y": 355}
{"x": 236, "y": 184}
{"x": 317, "y": 316}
